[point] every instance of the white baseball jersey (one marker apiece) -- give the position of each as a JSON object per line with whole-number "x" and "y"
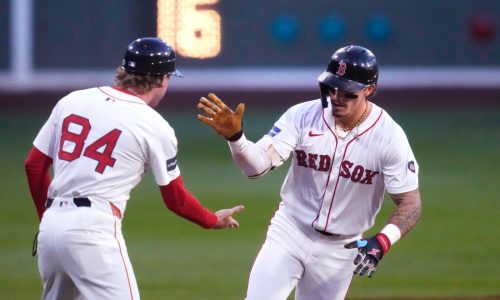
{"x": 337, "y": 184}
{"x": 101, "y": 141}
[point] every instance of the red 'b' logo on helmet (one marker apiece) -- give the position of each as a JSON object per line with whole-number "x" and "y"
{"x": 342, "y": 68}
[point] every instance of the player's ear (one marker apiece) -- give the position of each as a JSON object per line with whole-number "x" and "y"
{"x": 370, "y": 90}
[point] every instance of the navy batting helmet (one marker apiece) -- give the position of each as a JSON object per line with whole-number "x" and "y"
{"x": 350, "y": 69}
{"x": 150, "y": 56}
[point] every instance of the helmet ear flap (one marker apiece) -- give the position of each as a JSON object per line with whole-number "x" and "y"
{"x": 324, "y": 92}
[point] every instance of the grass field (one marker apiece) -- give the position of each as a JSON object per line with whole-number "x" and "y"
{"x": 451, "y": 253}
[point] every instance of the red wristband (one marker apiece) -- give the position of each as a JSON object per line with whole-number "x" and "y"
{"x": 384, "y": 242}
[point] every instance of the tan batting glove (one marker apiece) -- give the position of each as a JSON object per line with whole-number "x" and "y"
{"x": 225, "y": 218}
{"x": 221, "y": 118}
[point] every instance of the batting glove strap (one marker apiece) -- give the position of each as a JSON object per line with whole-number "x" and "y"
{"x": 384, "y": 242}
{"x": 370, "y": 252}
{"x": 371, "y": 248}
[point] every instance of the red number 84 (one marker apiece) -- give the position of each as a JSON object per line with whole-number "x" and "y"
{"x": 108, "y": 141}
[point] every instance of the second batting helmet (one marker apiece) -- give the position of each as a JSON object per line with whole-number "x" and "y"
{"x": 150, "y": 56}
{"x": 350, "y": 69}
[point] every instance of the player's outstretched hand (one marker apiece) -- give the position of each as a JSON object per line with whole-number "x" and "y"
{"x": 225, "y": 217}
{"x": 370, "y": 252}
{"x": 219, "y": 116}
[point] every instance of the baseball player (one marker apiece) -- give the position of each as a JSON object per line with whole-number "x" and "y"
{"x": 100, "y": 142}
{"x": 346, "y": 152}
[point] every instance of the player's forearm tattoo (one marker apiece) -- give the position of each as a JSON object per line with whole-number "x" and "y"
{"x": 407, "y": 212}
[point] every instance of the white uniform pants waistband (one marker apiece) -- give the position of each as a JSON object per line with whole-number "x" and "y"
{"x": 62, "y": 202}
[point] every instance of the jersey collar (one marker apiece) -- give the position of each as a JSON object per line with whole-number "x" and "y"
{"x": 121, "y": 94}
{"x": 370, "y": 120}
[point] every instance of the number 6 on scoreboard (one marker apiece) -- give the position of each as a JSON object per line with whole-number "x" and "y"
{"x": 193, "y": 29}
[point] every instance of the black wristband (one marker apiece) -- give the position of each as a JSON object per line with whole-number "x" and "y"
{"x": 235, "y": 136}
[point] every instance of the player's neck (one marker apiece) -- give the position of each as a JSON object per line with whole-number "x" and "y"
{"x": 130, "y": 91}
{"x": 146, "y": 97}
{"x": 352, "y": 121}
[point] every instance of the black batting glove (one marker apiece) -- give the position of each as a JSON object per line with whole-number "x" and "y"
{"x": 370, "y": 252}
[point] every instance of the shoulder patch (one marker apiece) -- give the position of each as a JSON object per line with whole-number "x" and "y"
{"x": 171, "y": 163}
{"x": 411, "y": 166}
{"x": 274, "y": 131}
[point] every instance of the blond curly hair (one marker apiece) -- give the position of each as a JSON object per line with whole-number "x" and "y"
{"x": 141, "y": 83}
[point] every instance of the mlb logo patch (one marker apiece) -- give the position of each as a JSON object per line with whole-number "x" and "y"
{"x": 171, "y": 163}
{"x": 274, "y": 131}
{"x": 411, "y": 166}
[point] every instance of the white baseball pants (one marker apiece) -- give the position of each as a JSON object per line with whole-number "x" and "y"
{"x": 295, "y": 255}
{"x": 82, "y": 254}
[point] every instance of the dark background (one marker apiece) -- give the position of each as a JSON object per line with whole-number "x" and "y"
{"x": 92, "y": 34}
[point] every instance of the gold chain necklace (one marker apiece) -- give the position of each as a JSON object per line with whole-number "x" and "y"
{"x": 357, "y": 123}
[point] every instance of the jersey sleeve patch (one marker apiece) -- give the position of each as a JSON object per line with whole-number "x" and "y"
{"x": 411, "y": 166}
{"x": 171, "y": 163}
{"x": 274, "y": 131}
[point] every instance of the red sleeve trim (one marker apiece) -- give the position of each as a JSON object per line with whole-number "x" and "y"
{"x": 37, "y": 167}
{"x": 179, "y": 200}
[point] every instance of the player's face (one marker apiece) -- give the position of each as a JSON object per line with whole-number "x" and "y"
{"x": 345, "y": 103}
{"x": 161, "y": 91}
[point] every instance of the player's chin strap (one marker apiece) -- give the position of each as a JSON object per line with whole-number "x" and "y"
{"x": 324, "y": 91}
